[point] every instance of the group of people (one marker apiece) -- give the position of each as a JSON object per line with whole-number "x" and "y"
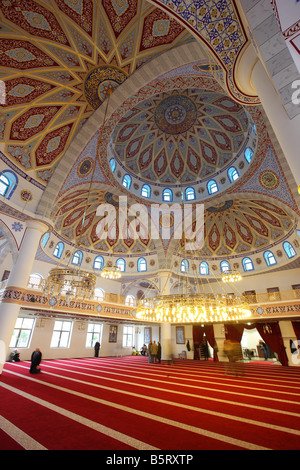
{"x": 154, "y": 352}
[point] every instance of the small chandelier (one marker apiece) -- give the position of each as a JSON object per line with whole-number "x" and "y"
{"x": 231, "y": 276}
{"x": 193, "y": 308}
{"x": 72, "y": 283}
{"x": 111, "y": 271}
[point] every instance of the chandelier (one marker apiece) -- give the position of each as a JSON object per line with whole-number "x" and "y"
{"x": 111, "y": 271}
{"x": 231, "y": 276}
{"x": 74, "y": 284}
{"x": 182, "y": 308}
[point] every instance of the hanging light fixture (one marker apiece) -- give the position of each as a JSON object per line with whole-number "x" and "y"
{"x": 111, "y": 271}
{"x": 231, "y": 276}
{"x": 76, "y": 283}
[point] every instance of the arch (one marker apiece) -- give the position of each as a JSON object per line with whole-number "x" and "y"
{"x": 121, "y": 264}
{"x": 35, "y": 280}
{"x": 233, "y": 174}
{"x": 77, "y": 258}
{"x": 45, "y": 239}
{"x": 190, "y": 194}
{"x": 112, "y": 164}
{"x": 289, "y": 249}
{"x": 126, "y": 182}
{"x": 225, "y": 266}
{"x": 248, "y": 154}
{"x": 269, "y": 258}
{"x": 99, "y": 294}
{"x": 146, "y": 191}
{"x": 247, "y": 264}
{"x": 58, "y": 250}
{"x": 167, "y": 195}
{"x": 203, "y": 268}
{"x": 8, "y": 183}
{"x": 142, "y": 264}
{"x": 98, "y": 263}
{"x": 212, "y": 187}
{"x": 184, "y": 267}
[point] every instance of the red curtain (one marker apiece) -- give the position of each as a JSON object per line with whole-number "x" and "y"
{"x": 198, "y": 333}
{"x": 270, "y": 333}
{"x": 296, "y": 326}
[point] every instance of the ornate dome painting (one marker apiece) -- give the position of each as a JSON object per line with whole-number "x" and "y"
{"x": 180, "y": 137}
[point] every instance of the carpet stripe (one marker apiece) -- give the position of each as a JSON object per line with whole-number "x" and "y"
{"x": 91, "y": 424}
{"x": 160, "y": 419}
{"x": 19, "y": 436}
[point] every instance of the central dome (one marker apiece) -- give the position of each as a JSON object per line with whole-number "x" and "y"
{"x": 187, "y": 136}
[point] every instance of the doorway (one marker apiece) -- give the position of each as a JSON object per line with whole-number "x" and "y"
{"x": 253, "y": 347}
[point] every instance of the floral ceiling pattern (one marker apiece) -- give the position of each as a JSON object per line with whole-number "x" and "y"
{"x": 58, "y": 58}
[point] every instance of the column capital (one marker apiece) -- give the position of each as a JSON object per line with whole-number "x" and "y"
{"x": 243, "y": 70}
{"x": 39, "y": 225}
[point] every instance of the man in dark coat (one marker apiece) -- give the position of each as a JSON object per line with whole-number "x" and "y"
{"x": 97, "y": 347}
{"x": 36, "y": 358}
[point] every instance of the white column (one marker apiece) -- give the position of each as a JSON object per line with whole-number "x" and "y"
{"x": 285, "y": 128}
{"x": 288, "y": 333}
{"x": 166, "y": 342}
{"x": 19, "y": 279}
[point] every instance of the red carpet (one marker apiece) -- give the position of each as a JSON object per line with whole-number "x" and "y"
{"x": 128, "y": 404}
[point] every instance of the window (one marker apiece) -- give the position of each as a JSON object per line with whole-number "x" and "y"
{"x": 212, "y": 187}
{"x": 167, "y": 195}
{"x": 77, "y": 258}
{"x": 146, "y": 191}
{"x": 184, "y": 266}
{"x": 99, "y": 294}
{"x": 45, "y": 239}
{"x": 142, "y": 264}
{"x": 130, "y": 301}
{"x": 126, "y": 181}
{"x": 247, "y": 264}
{"x": 225, "y": 266}
{"x": 34, "y": 281}
{"x": 93, "y": 334}
{"x": 58, "y": 249}
{"x": 22, "y": 333}
{"x": 61, "y": 334}
{"x": 233, "y": 174}
{"x": 269, "y": 258}
{"x": 112, "y": 164}
{"x": 289, "y": 249}
{"x": 248, "y": 154}
{"x": 121, "y": 264}
{"x": 98, "y": 263}
{"x": 189, "y": 194}
{"x": 127, "y": 337}
{"x": 8, "y": 183}
{"x": 203, "y": 268}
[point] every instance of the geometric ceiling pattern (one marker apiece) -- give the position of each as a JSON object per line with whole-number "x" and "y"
{"x": 59, "y": 58}
{"x": 76, "y": 220}
{"x": 180, "y": 136}
{"x": 242, "y": 226}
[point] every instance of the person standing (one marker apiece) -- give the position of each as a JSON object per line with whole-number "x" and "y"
{"x": 96, "y": 348}
{"x": 36, "y": 358}
{"x": 153, "y": 351}
{"x": 158, "y": 355}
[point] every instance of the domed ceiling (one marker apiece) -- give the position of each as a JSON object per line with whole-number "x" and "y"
{"x": 243, "y": 226}
{"x": 57, "y": 58}
{"x": 181, "y": 136}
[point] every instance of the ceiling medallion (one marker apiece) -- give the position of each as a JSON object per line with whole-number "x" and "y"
{"x": 175, "y": 114}
{"x": 269, "y": 179}
{"x": 100, "y": 81}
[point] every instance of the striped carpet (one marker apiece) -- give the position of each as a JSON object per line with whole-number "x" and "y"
{"x": 127, "y": 404}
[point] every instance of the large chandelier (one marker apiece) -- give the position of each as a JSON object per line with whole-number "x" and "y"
{"x": 111, "y": 271}
{"x": 74, "y": 284}
{"x": 184, "y": 308}
{"x": 231, "y": 276}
